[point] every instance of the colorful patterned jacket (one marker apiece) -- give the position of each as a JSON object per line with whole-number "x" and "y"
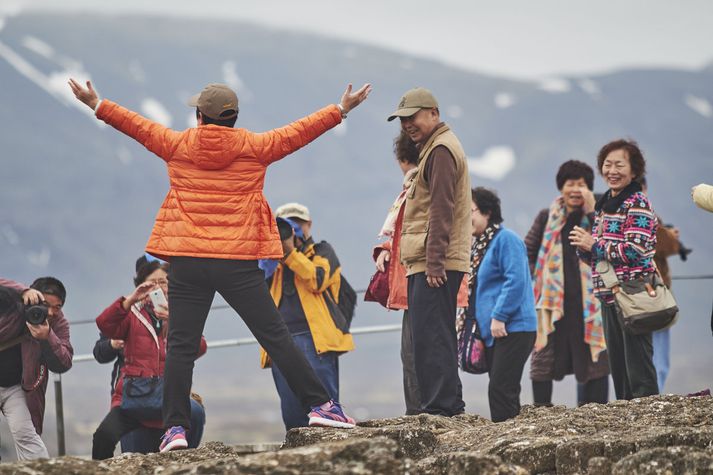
{"x": 627, "y": 240}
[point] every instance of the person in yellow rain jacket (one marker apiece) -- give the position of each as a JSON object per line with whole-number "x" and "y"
{"x": 305, "y": 287}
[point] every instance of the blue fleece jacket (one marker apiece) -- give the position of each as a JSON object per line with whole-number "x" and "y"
{"x": 504, "y": 287}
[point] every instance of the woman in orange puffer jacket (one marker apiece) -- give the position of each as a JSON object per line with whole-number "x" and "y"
{"x": 214, "y": 225}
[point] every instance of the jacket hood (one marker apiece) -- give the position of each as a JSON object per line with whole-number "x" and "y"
{"x": 210, "y": 146}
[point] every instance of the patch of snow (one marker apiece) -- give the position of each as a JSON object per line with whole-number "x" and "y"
{"x": 124, "y": 155}
{"x": 55, "y": 84}
{"x": 555, "y": 85}
{"x": 503, "y": 100}
{"x": 2, "y": 23}
{"x": 233, "y": 79}
{"x": 454, "y": 111}
{"x": 155, "y": 111}
{"x": 38, "y": 46}
{"x": 495, "y": 163}
{"x": 699, "y": 104}
{"x": 589, "y": 86}
{"x": 136, "y": 71}
{"x": 191, "y": 119}
{"x": 40, "y": 258}
{"x": 341, "y": 129}
{"x": 10, "y": 235}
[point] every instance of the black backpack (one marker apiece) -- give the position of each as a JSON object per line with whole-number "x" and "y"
{"x": 342, "y": 312}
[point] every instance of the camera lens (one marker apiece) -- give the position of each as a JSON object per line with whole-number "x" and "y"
{"x": 36, "y": 314}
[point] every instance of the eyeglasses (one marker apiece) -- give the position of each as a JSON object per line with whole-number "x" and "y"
{"x": 161, "y": 282}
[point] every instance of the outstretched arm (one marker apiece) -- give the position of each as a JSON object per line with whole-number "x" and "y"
{"x": 155, "y": 137}
{"x": 278, "y": 143}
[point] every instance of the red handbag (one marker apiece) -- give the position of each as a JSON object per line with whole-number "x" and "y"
{"x": 378, "y": 290}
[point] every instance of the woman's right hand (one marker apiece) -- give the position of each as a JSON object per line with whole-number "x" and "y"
{"x": 138, "y": 294}
{"x": 384, "y": 256}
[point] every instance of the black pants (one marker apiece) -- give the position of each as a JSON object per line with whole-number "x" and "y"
{"x": 594, "y": 390}
{"x": 192, "y": 284}
{"x": 432, "y": 313}
{"x": 506, "y": 359}
{"x": 412, "y": 395}
{"x": 110, "y": 431}
{"x": 630, "y": 358}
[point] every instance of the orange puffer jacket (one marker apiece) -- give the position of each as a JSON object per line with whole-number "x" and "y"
{"x": 215, "y": 207}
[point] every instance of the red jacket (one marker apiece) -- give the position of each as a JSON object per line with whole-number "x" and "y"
{"x": 144, "y": 351}
{"x": 398, "y": 295}
{"x": 38, "y": 357}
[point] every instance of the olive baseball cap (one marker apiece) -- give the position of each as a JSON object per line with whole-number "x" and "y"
{"x": 413, "y": 101}
{"x": 293, "y": 210}
{"x": 216, "y": 101}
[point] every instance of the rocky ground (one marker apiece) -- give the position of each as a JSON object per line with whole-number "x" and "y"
{"x": 656, "y": 435}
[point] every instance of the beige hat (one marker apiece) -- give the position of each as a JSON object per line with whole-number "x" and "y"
{"x": 413, "y": 101}
{"x": 216, "y": 101}
{"x": 293, "y": 210}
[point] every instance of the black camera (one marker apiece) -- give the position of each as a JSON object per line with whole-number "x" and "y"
{"x": 284, "y": 228}
{"x": 36, "y": 314}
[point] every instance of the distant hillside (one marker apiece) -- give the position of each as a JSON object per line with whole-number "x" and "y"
{"x": 79, "y": 199}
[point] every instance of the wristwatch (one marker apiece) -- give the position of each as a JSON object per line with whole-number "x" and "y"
{"x": 341, "y": 109}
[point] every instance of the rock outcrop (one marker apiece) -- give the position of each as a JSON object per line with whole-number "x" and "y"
{"x": 656, "y": 435}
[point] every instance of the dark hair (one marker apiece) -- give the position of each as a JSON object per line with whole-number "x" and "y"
{"x": 50, "y": 286}
{"x": 487, "y": 202}
{"x": 574, "y": 170}
{"x": 145, "y": 268}
{"x": 405, "y": 149}
{"x": 636, "y": 158}
{"x": 222, "y": 122}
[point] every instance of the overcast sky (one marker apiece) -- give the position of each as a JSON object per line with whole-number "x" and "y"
{"x": 517, "y": 38}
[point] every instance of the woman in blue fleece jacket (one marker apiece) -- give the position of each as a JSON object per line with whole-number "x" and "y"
{"x": 503, "y": 302}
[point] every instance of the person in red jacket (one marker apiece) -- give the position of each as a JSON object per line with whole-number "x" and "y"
{"x": 143, "y": 328}
{"x": 27, "y": 353}
{"x": 214, "y": 226}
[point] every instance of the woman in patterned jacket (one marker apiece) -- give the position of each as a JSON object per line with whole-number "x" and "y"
{"x": 624, "y": 233}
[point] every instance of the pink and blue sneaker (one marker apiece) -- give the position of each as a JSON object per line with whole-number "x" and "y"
{"x": 173, "y": 439}
{"x": 330, "y": 414}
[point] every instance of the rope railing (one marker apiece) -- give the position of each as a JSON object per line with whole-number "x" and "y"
{"x": 252, "y": 341}
{"x": 363, "y": 291}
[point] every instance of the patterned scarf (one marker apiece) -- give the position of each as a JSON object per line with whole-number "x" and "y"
{"x": 477, "y": 252}
{"x": 549, "y": 285}
{"x": 480, "y": 246}
{"x": 390, "y": 223}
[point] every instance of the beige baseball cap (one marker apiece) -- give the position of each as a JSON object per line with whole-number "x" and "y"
{"x": 414, "y": 100}
{"x": 293, "y": 210}
{"x": 216, "y": 101}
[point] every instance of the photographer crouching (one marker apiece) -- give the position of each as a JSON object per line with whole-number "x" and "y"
{"x": 34, "y": 339}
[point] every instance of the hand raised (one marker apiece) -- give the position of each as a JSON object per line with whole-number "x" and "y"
{"x": 85, "y": 94}
{"x": 352, "y": 99}
{"x": 138, "y": 294}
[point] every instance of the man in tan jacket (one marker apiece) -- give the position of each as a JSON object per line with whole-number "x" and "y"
{"x": 435, "y": 249}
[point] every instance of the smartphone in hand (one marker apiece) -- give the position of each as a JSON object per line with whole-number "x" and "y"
{"x": 158, "y": 299}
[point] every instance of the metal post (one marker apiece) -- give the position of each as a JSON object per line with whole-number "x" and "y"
{"x": 59, "y": 411}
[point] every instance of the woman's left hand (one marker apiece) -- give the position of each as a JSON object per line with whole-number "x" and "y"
{"x": 581, "y": 238}
{"x": 497, "y": 328}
